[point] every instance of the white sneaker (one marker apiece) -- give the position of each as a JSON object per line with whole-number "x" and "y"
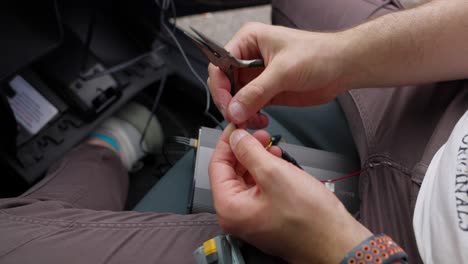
{"x": 124, "y": 132}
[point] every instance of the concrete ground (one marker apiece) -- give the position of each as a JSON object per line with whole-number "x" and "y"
{"x": 220, "y": 26}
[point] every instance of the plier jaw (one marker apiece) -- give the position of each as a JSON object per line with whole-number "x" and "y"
{"x": 213, "y": 51}
{"x": 220, "y": 57}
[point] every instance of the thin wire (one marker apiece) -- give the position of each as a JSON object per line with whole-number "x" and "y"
{"x": 121, "y": 66}
{"x": 174, "y": 16}
{"x": 166, "y": 4}
{"x": 345, "y": 177}
{"x": 60, "y": 27}
{"x": 183, "y": 140}
{"x": 59, "y": 21}
{"x": 118, "y": 67}
{"x": 162, "y": 84}
{"x": 208, "y": 97}
{"x": 197, "y": 76}
{"x": 88, "y": 40}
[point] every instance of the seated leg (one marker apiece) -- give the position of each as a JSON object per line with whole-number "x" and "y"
{"x": 72, "y": 216}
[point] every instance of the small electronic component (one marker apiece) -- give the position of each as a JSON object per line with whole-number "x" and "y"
{"x": 191, "y": 142}
{"x": 274, "y": 141}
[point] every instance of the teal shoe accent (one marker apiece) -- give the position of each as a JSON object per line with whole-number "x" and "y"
{"x": 107, "y": 139}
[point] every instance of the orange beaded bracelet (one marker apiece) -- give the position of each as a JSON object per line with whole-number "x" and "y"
{"x": 376, "y": 249}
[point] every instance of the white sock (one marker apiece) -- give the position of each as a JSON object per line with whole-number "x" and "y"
{"x": 124, "y": 132}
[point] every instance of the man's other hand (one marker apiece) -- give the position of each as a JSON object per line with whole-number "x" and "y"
{"x": 275, "y": 206}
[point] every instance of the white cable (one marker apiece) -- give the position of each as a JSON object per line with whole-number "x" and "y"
{"x": 165, "y": 6}
{"x": 190, "y": 67}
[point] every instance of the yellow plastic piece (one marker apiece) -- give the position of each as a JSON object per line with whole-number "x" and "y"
{"x": 210, "y": 247}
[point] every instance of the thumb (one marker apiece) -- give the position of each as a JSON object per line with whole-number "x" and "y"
{"x": 255, "y": 95}
{"x": 253, "y": 156}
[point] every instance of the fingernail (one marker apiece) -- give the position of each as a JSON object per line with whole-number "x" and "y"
{"x": 238, "y": 112}
{"x": 236, "y": 136}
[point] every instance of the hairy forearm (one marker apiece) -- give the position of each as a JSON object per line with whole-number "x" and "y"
{"x": 421, "y": 45}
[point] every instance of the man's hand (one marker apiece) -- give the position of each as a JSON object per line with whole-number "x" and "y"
{"x": 275, "y": 206}
{"x": 302, "y": 69}
{"x": 421, "y": 45}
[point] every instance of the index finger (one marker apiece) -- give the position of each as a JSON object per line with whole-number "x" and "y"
{"x": 244, "y": 44}
{"x": 220, "y": 88}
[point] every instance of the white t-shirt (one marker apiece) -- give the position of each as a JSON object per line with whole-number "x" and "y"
{"x": 440, "y": 219}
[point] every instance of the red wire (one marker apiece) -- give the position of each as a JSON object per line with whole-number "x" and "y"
{"x": 345, "y": 177}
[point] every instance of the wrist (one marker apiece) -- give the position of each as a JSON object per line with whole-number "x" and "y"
{"x": 345, "y": 52}
{"x": 352, "y": 233}
{"x": 343, "y": 235}
{"x": 375, "y": 53}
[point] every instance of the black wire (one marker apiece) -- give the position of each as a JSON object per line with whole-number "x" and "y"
{"x": 59, "y": 21}
{"x": 174, "y": 15}
{"x": 113, "y": 69}
{"x": 60, "y": 27}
